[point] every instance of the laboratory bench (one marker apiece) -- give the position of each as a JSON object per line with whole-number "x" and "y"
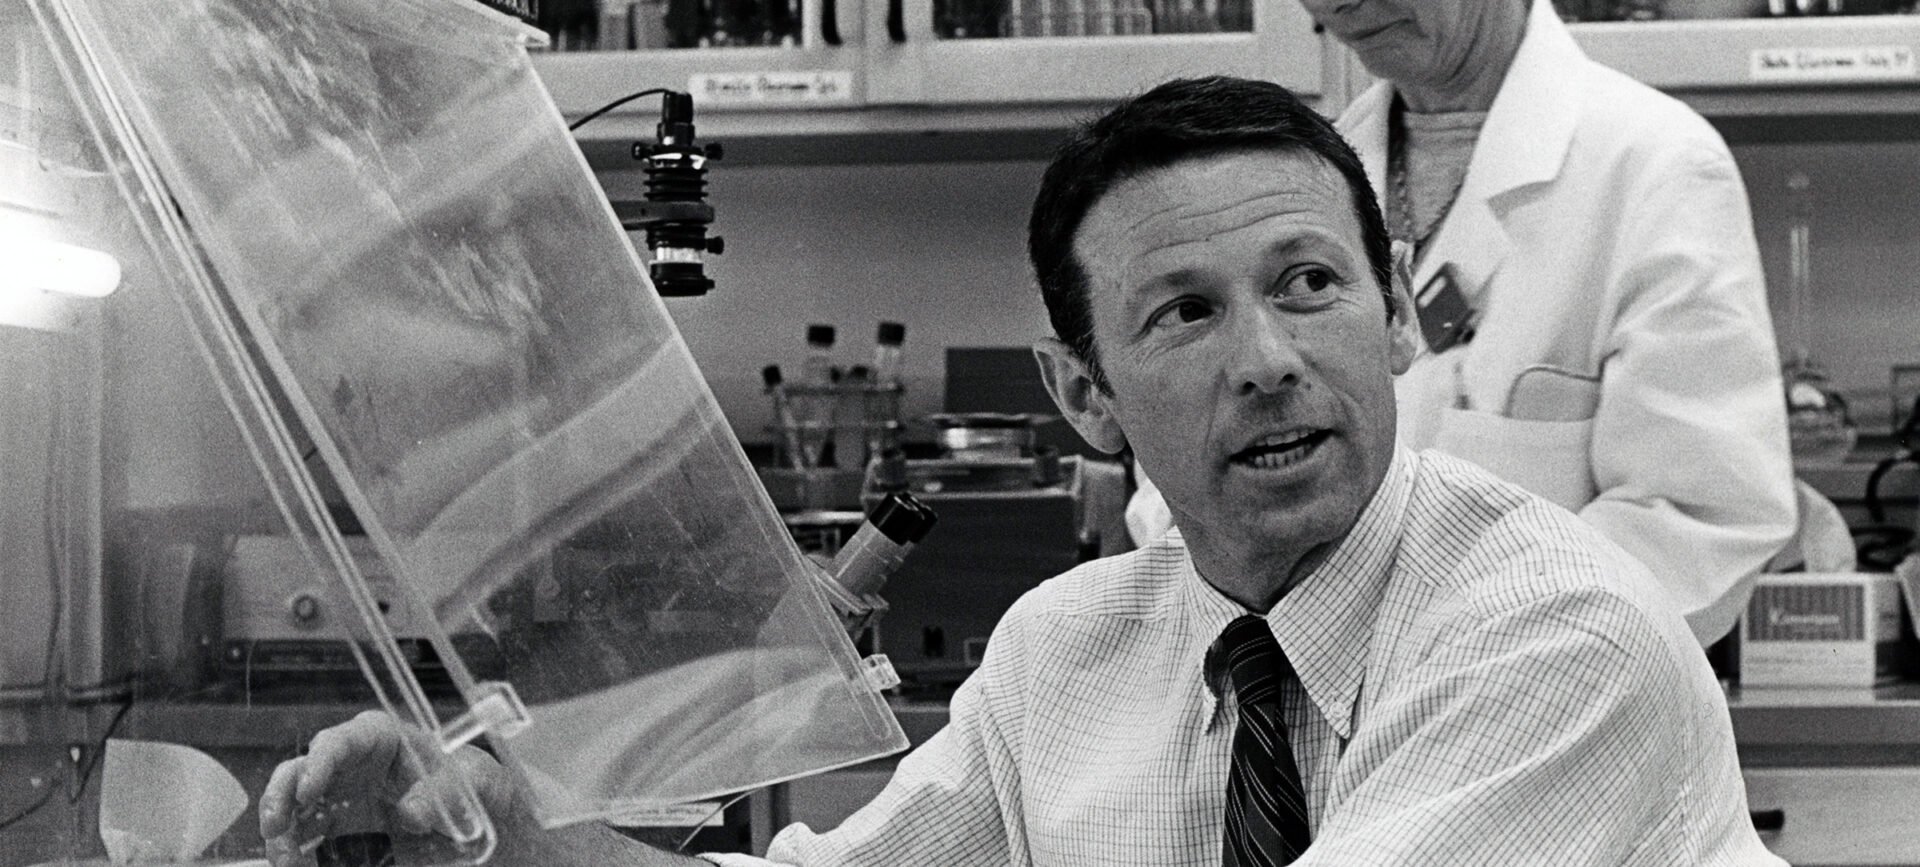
{"x": 1774, "y": 727}
{"x": 1833, "y": 774}
{"x": 1837, "y": 769}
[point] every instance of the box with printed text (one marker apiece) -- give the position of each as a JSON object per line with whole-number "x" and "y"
{"x": 1821, "y": 629}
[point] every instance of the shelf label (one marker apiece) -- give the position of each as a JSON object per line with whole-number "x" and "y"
{"x": 1836, "y": 63}
{"x": 772, "y": 88}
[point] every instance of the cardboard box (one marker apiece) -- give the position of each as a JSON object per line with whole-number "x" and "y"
{"x": 1821, "y": 629}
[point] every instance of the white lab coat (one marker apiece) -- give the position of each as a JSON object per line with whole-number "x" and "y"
{"x": 1624, "y": 363}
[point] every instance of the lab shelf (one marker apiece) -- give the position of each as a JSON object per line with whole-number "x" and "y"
{"x": 820, "y": 135}
{"x": 895, "y": 91}
{"x": 1839, "y": 66}
{"x": 1710, "y": 64}
{"x": 1827, "y": 726}
{"x": 875, "y": 135}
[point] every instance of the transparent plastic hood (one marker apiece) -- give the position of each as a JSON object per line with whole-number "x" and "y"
{"x": 381, "y": 217}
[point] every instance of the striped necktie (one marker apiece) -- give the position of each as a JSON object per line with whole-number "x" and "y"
{"x": 1266, "y": 805}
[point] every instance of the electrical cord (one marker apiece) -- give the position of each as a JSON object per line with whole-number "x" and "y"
{"x": 99, "y": 750}
{"x": 652, "y": 91}
{"x": 1881, "y": 546}
{"x": 30, "y": 810}
{"x": 1875, "y": 509}
{"x": 56, "y": 541}
{"x": 1908, "y": 437}
{"x": 92, "y": 761}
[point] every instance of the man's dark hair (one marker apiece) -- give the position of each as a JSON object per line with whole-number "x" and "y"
{"x": 1181, "y": 119}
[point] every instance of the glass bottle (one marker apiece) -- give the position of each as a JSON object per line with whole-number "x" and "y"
{"x": 1820, "y": 429}
{"x": 818, "y": 368}
{"x": 880, "y": 407}
{"x": 814, "y": 398}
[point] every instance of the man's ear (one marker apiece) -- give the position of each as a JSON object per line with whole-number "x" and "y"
{"x": 1404, "y": 326}
{"x": 1081, "y": 401}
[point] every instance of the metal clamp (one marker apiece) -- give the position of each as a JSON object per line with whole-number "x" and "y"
{"x": 496, "y": 709}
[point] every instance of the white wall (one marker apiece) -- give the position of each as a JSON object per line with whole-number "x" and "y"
{"x": 941, "y": 248}
{"x": 938, "y": 247}
{"x": 1866, "y": 257}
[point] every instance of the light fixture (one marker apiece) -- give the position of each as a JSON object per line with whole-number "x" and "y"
{"x": 29, "y": 264}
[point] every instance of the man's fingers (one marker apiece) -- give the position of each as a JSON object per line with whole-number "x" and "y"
{"x": 366, "y": 745}
{"x": 435, "y": 803}
{"x": 276, "y": 800}
{"x": 367, "y": 773}
{"x": 348, "y": 768}
{"x": 280, "y": 818}
{"x": 285, "y": 852}
{"x": 490, "y": 780}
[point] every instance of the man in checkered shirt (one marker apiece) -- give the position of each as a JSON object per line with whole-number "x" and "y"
{"x": 1482, "y": 679}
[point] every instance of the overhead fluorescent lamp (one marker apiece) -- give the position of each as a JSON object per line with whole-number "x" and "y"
{"x": 43, "y": 265}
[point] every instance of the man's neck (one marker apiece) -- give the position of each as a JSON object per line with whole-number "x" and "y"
{"x": 1475, "y": 84}
{"x": 1255, "y": 580}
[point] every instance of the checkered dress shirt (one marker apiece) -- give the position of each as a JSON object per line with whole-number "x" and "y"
{"x": 1484, "y": 680}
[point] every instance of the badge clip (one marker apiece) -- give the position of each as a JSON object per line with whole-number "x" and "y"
{"x": 1446, "y": 319}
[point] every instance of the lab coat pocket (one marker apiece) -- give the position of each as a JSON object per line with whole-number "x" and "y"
{"x": 1549, "y": 458}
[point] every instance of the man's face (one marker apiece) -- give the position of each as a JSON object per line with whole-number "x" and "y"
{"x": 1413, "y": 41}
{"x": 1246, "y": 344}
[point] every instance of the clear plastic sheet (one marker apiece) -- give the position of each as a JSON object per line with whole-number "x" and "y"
{"x": 160, "y": 453}
{"x": 421, "y": 310}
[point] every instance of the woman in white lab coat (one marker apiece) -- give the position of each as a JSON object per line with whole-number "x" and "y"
{"x": 1621, "y": 359}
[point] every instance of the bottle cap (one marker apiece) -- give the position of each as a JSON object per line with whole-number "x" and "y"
{"x": 820, "y": 335}
{"x": 891, "y": 334}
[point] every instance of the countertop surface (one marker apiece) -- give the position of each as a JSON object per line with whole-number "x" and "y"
{"x": 1791, "y": 726}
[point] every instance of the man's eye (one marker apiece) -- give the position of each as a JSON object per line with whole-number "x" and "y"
{"x": 1182, "y": 311}
{"x": 1306, "y": 281}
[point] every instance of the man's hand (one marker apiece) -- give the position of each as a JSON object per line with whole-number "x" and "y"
{"x": 362, "y": 775}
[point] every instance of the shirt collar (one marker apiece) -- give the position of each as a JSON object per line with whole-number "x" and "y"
{"x": 1325, "y": 625}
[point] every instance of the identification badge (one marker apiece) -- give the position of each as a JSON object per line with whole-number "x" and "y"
{"x": 1446, "y": 319}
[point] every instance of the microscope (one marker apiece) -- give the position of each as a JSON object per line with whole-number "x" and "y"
{"x": 675, "y": 213}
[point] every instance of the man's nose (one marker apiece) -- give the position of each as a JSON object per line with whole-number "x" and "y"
{"x": 1266, "y": 358}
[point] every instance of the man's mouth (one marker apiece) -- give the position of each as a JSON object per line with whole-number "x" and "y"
{"x": 1370, "y": 32}
{"x": 1279, "y": 450}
